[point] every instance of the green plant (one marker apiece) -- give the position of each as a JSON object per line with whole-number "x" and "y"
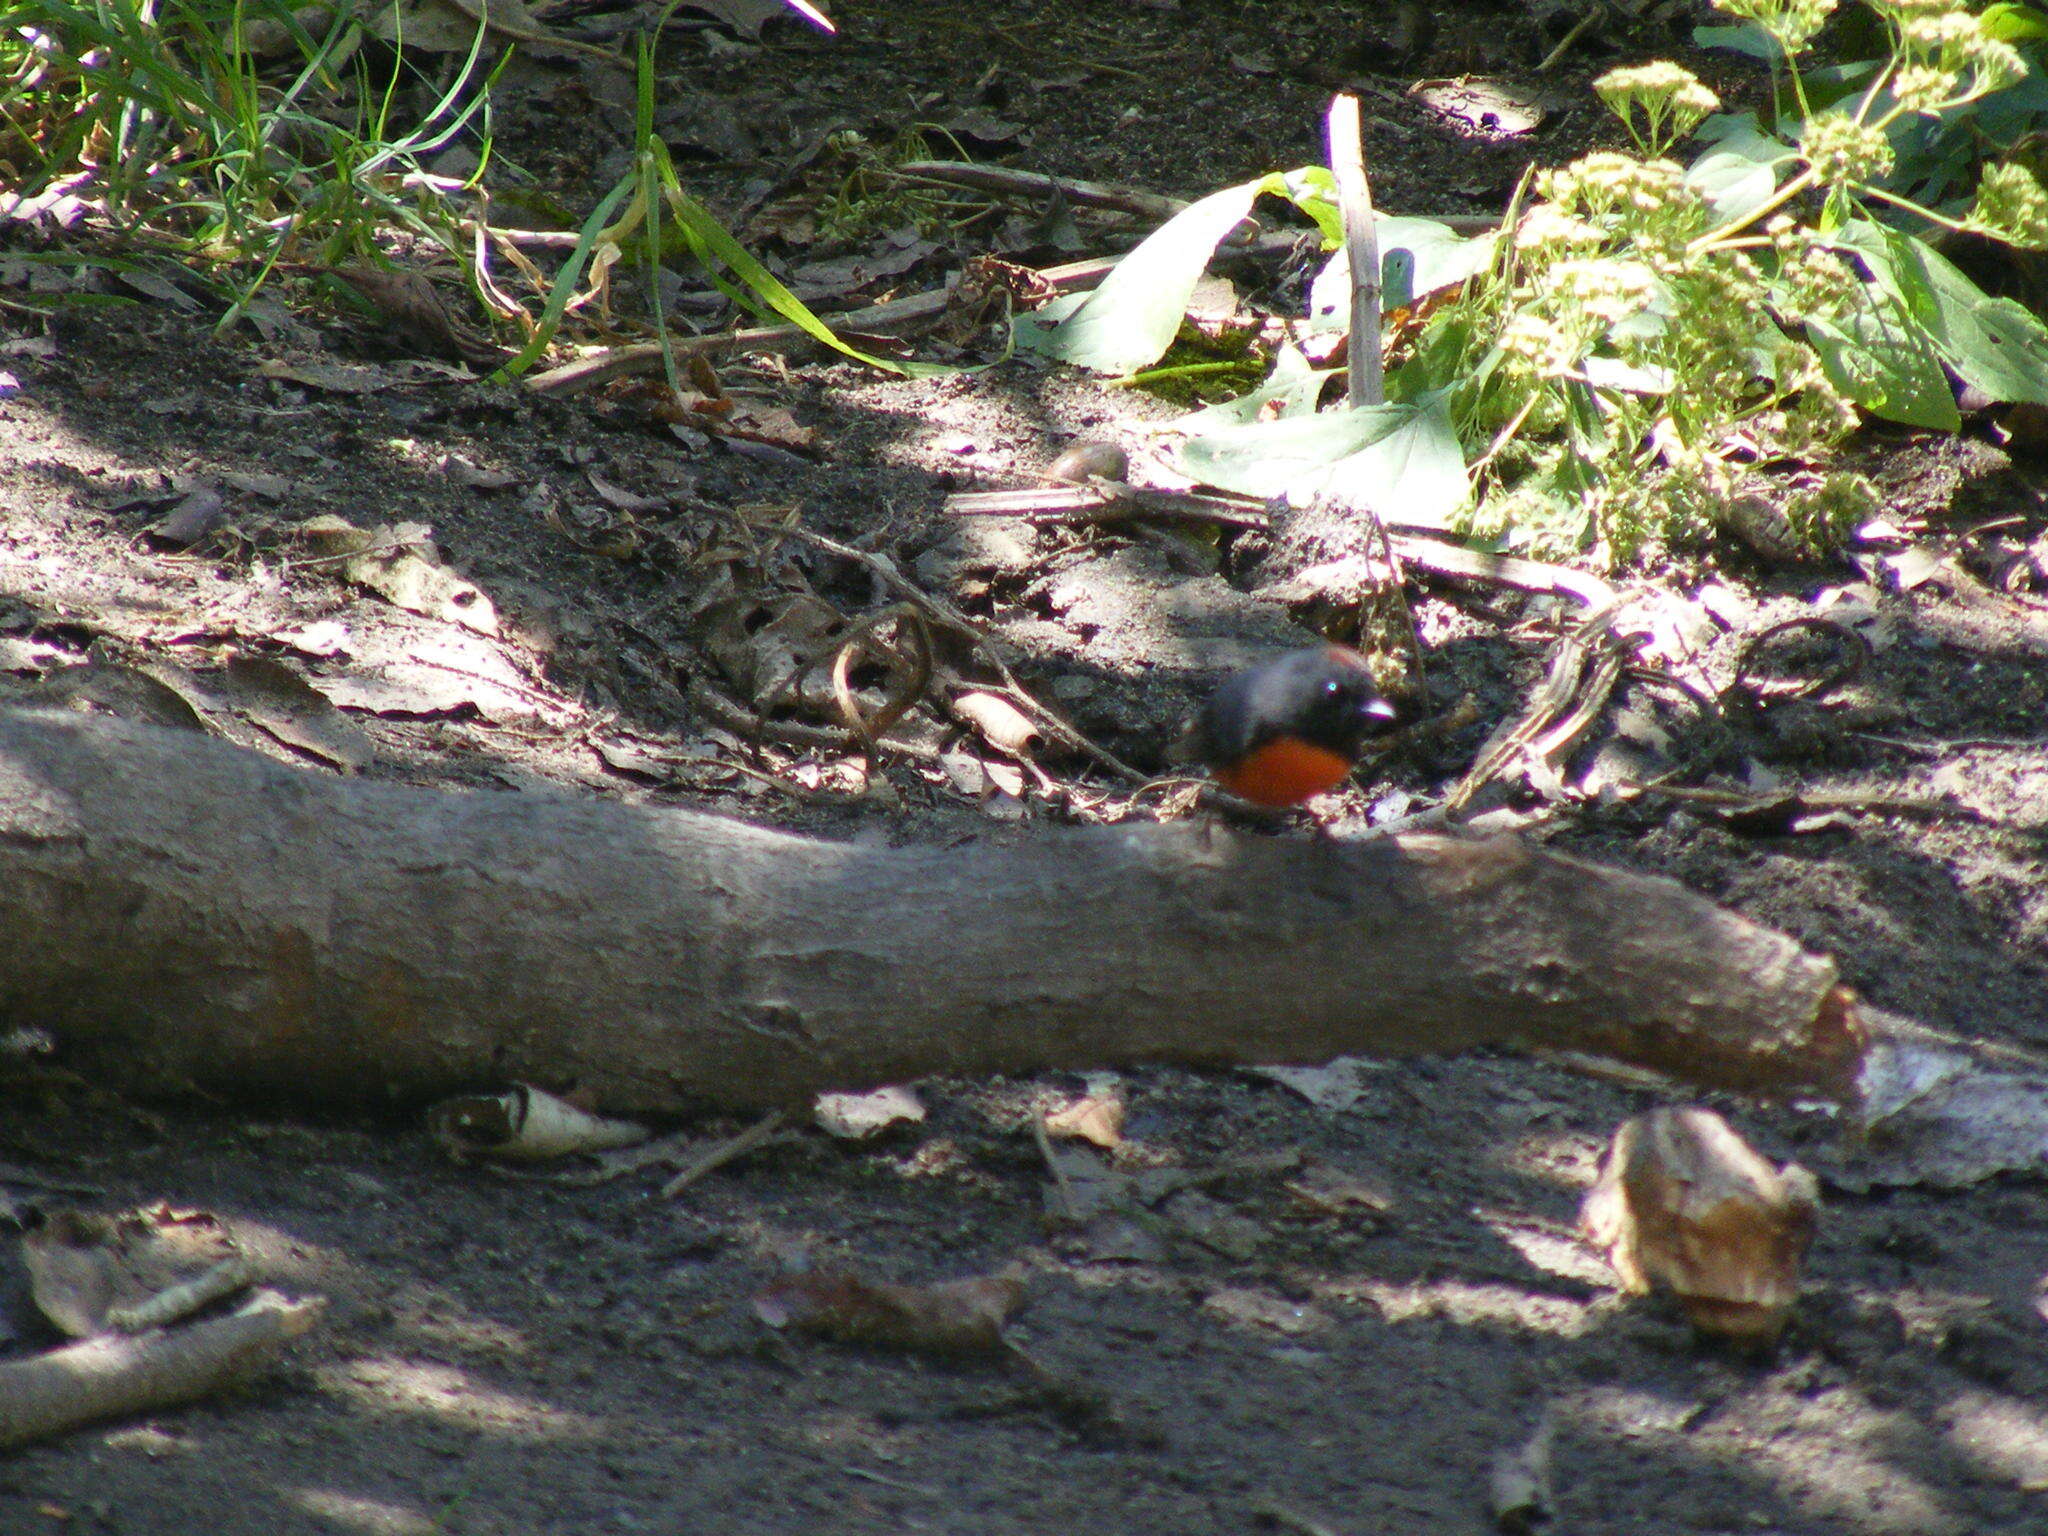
{"x": 1610, "y": 368}
{"x": 224, "y": 129}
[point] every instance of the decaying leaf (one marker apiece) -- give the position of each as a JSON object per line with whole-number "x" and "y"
{"x": 415, "y": 667}
{"x": 525, "y": 1124}
{"x": 1336, "y": 1085}
{"x": 93, "y": 1274}
{"x": 451, "y": 26}
{"x": 856, "y": 1116}
{"x": 1518, "y": 1483}
{"x": 1000, "y": 723}
{"x": 952, "y": 1317}
{"x": 1096, "y": 1119}
{"x": 1685, "y": 1204}
{"x": 275, "y": 697}
{"x": 399, "y": 562}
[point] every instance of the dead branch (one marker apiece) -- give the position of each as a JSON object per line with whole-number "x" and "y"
{"x": 177, "y": 913}
{"x": 111, "y": 1375}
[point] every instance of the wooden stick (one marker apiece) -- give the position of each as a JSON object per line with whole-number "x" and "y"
{"x": 115, "y": 1374}
{"x": 1364, "y": 381}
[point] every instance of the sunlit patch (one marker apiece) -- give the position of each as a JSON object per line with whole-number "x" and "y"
{"x": 1462, "y": 1302}
{"x": 147, "y": 1440}
{"x": 279, "y": 1256}
{"x": 445, "y": 1392}
{"x": 2006, "y": 1438}
{"x": 370, "y": 1517}
{"x": 1799, "y": 1445}
{"x": 1546, "y": 1248}
{"x": 1561, "y": 1159}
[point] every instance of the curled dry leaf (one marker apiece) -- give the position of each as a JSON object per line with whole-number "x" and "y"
{"x": 953, "y": 1317}
{"x": 1092, "y": 1119}
{"x": 856, "y": 1116}
{"x": 1000, "y": 723}
{"x": 91, "y": 1274}
{"x": 399, "y": 562}
{"x": 1090, "y": 461}
{"x": 525, "y": 1124}
{"x": 1684, "y": 1203}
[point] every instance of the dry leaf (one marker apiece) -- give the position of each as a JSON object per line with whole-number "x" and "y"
{"x": 856, "y": 1116}
{"x": 1096, "y": 1120}
{"x": 1685, "y": 1204}
{"x": 399, "y": 562}
{"x": 92, "y": 1273}
{"x": 526, "y": 1124}
{"x": 953, "y": 1317}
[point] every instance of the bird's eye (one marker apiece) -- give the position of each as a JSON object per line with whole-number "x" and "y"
{"x": 1332, "y": 688}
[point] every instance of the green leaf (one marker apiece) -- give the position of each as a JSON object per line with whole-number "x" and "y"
{"x": 1747, "y": 37}
{"x": 1739, "y": 174}
{"x": 1401, "y": 460}
{"x": 1443, "y": 258}
{"x": 1887, "y": 365}
{"x": 2012, "y": 23}
{"x": 1291, "y": 389}
{"x": 1131, "y": 319}
{"x": 1996, "y": 345}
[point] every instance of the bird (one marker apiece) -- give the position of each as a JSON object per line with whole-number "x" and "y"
{"x": 1282, "y": 733}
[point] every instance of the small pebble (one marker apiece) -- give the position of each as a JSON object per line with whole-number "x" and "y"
{"x": 1090, "y": 461}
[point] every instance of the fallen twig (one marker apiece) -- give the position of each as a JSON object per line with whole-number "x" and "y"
{"x": 1109, "y": 502}
{"x": 1364, "y": 381}
{"x": 759, "y": 1134}
{"x": 1006, "y": 182}
{"x": 111, "y": 1375}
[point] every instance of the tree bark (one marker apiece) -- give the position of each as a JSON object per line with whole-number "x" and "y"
{"x": 181, "y": 914}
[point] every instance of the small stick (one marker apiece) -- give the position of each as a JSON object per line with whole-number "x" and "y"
{"x": 1364, "y": 380}
{"x": 1592, "y": 14}
{"x": 1107, "y": 501}
{"x": 111, "y": 1375}
{"x": 1004, "y": 181}
{"x": 730, "y": 1150}
{"x": 1441, "y": 559}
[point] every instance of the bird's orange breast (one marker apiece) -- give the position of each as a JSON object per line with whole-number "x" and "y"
{"x": 1284, "y": 772}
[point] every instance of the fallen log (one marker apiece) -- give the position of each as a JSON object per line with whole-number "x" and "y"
{"x": 180, "y": 914}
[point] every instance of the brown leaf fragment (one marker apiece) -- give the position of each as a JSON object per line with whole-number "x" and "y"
{"x": 951, "y": 1317}
{"x": 857, "y": 1116}
{"x": 195, "y": 516}
{"x": 90, "y": 1273}
{"x": 1000, "y": 723}
{"x": 1683, "y": 1203}
{"x": 274, "y": 697}
{"x": 1099, "y": 1120}
{"x": 399, "y": 562}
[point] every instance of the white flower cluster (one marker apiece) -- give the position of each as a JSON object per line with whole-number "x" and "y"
{"x": 2011, "y": 206}
{"x": 1948, "y": 57}
{"x": 1792, "y": 22}
{"x": 1670, "y": 99}
{"x": 1842, "y": 150}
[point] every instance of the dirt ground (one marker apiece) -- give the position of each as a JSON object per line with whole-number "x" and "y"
{"x": 1327, "y": 1319}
